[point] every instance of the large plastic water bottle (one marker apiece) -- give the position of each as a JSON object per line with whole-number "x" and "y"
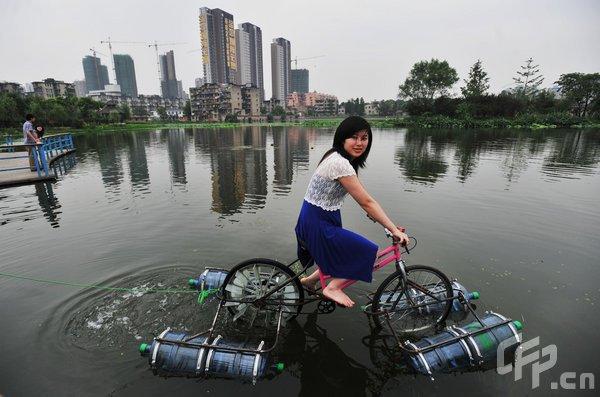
{"x": 457, "y": 287}
{"x": 210, "y": 279}
{"x": 454, "y": 356}
{"x": 440, "y": 293}
{"x": 466, "y": 352}
{"x": 172, "y": 359}
{"x": 236, "y": 364}
{"x": 485, "y": 345}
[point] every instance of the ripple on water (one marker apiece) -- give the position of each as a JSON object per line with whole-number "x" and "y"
{"x": 94, "y": 320}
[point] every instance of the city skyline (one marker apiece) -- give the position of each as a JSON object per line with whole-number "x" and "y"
{"x": 368, "y": 50}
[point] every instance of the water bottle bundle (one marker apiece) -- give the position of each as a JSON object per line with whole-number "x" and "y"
{"x": 468, "y": 347}
{"x": 474, "y": 345}
{"x": 176, "y": 354}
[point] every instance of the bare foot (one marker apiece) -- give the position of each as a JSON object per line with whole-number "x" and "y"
{"x": 337, "y": 295}
{"x": 308, "y": 284}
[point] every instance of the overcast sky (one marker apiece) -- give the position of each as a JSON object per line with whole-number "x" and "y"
{"x": 368, "y": 46}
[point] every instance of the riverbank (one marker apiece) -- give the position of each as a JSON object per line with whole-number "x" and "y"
{"x": 531, "y": 122}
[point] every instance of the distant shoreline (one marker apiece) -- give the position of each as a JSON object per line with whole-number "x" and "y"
{"x": 424, "y": 122}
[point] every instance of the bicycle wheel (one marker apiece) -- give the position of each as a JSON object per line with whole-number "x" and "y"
{"x": 251, "y": 280}
{"x": 427, "y": 287}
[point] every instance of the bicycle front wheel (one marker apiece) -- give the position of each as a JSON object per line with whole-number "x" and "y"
{"x": 423, "y": 303}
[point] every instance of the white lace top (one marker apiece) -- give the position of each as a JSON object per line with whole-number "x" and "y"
{"x": 324, "y": 189}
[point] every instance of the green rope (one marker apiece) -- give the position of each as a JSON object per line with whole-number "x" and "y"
{"x": 205, "y": 294}
{"x": 40, "y": 280}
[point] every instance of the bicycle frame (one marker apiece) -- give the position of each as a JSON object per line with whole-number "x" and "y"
{"x": 384, "y": 258}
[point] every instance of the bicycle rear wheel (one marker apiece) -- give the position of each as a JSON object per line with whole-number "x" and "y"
{"x": 428, "y": 289}
{"x": 253, "y": 279}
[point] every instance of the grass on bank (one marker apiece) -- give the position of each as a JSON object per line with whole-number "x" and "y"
{"x": 530, "y": 121}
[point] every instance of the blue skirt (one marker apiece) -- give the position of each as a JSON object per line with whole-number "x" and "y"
{"x": 338, "y": 252}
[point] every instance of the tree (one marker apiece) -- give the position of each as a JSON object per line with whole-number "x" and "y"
{"x": 162, "y": 113}
{"x": 428, "y": 80}
{"x": 140, "y": 111}
{"x": 388, "y": 107}
{"x": 187, "y": 109}
{"x": 528, "y": 79}
{"x": 581, "y": 91}
{"x": 124, "y": 112}
{"x": 8, "y": 110}
{"x": 278, "y": 111}
{"x": 477, "y": 84}
{"x": 231, "y": 118}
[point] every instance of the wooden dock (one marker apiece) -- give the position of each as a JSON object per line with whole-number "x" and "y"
{"x": 14, "y": 161}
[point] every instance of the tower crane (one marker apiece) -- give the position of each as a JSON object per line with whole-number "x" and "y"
{"x": 295, "y": 60}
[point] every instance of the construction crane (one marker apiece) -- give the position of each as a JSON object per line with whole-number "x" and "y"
{"x": 295, "y": 60}
{"x": 156, "y": 45}
{"x": 112, "y": 58}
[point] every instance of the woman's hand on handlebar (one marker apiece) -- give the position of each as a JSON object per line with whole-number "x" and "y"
{"x": 399, "y": 237}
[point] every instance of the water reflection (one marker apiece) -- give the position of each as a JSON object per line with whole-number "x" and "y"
{"x": 238, "y": 165}
{"x": 290, "y": 152}
{"x": 176, "y": 147}
{"x": 48, "y": 203}
{"x": 138, "y": 162}
{"x": 576, "y": 152}
{"x": 321, "y": 365}
{"x": 22, "y": 206}
{"x": 425, "y": 155}
{"x": 241, "y": 163}
{"x": 108, "y": 148}
{"x": 422, "y": 158}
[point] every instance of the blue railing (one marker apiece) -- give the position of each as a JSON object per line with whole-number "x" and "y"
{"x": 51, "y": 147}
{"x": 35, "y": 150}
{"x": 55, "y": 145}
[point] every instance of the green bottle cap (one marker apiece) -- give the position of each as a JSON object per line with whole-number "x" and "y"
{"x": 475, "y": 295}
{"x": 143, "y": 348}
{"x": 518, "y": 325}
{"x": 192, "y": 282}
{"x": 279, "y": 367}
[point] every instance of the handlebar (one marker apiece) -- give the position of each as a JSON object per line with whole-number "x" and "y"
{"x": 389, "y": 234}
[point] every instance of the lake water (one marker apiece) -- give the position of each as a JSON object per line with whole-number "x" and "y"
{"x": 512, "y": 214}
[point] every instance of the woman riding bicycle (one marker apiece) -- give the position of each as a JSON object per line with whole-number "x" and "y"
{"x": 340, "y": 253}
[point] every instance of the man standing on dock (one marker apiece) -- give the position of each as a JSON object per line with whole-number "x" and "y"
{"x": 30, "y": 138}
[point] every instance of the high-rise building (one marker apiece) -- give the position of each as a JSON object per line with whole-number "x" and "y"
{"x": 248, "y": 38}
{"x": 96, "y": 74}
{"x": 217, "y": 36}
{"x": 281, "y": 62}
{"x": 168, "y": 78}
{"x": 125, "y": 71}
{"x": 300, "y": 81}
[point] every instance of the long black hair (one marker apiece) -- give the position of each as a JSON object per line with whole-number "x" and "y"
{"x": 348, "y": 127}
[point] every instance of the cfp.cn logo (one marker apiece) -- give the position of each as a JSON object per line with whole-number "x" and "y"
{"x": 541, "y": 360}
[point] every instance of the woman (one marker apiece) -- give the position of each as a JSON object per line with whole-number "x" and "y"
{"x": 338, "y": 252}
{"x": 39, "y": 131}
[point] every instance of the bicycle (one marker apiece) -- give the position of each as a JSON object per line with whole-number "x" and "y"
{"x": 412, "y": 299}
